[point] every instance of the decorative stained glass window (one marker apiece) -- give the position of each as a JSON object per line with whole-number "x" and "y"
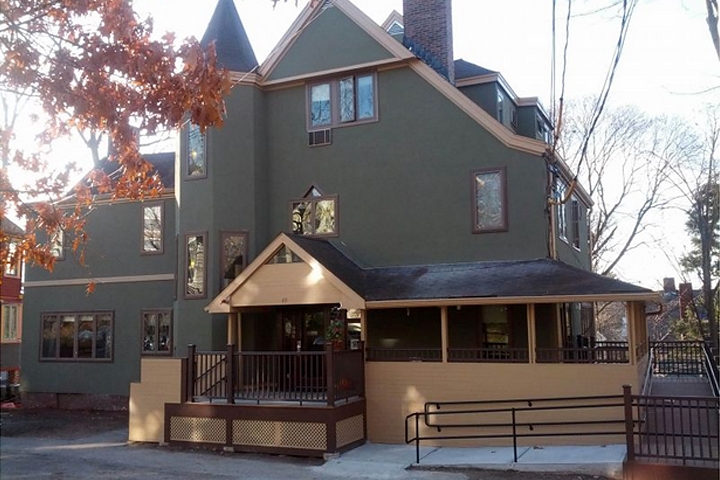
{"x": 489, "y": 195}
{"x": 77, "y": 336}
{"x": 153, "y": 228}
{"x": 314, "y": 215}
{"x": 320, "y": 113}
{"x": 195, "y": 266}
{"x": 233, "y": 255}
{"x": 57, "y": 244}
{"x": 196, "y": 166}
{"x": 157, "y": 332}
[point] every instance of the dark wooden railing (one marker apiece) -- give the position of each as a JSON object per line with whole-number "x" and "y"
{"x": 325, "y": 376}
{"x": 488, "y": 355}
{"x": 602, "y": 352}
{"x": 404, "y": 354}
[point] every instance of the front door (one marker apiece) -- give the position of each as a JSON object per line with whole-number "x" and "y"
{"x": 303, "y": 328}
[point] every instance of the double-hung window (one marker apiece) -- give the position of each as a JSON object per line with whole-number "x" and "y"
{"x": 10, "y": 322}
{"x": 77, "y": 336}
{"x": 342, "y": 101}
{"x": 562, "y": 224}
{"x": 157, "y": 332}
{"x": 575, "y": 222}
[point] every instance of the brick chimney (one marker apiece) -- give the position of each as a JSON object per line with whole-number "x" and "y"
{"x": 428, "y": 33}
{"x": 668, "y": 284}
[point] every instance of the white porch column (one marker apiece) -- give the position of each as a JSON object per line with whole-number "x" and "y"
{"x": 444, "y": 333}
{"x": 532, "y": 342}
{"x": 232, "y": 329}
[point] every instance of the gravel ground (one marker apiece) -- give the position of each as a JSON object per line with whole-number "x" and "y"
{"x": 57, "y": 444}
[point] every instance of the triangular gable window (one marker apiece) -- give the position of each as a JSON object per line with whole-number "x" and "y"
{"x": 315, "y": 214}
{"x": 284, "y": 255}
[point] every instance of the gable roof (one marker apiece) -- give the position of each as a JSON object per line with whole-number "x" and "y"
{"x": 232, "y": 45}
{"x": 163, "y": 163}
{"x": 518, "y": 281}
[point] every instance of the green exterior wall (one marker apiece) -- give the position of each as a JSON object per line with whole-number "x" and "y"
{"x": 331, "y": 41}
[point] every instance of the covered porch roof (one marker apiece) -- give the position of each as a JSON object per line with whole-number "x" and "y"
{"x": 519, "y": 281}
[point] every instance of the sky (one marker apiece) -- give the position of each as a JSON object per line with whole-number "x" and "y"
{"x": 668, "y": 59}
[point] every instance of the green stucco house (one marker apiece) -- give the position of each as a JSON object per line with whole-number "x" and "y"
{"x": 367, "y": 190}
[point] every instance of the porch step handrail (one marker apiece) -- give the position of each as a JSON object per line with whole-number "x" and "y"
{"x": 711, "y": 369}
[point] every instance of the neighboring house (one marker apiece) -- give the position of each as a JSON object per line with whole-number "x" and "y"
{"x": 364, "y": 180}
{"x": 11, "y": 302}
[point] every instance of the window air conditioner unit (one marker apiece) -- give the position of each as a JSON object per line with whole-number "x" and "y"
{"x": 319, "y": 138}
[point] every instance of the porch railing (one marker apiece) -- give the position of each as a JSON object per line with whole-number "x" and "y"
{"x": 678, "y": 358}
{"x": 602, "y": 352}
{"x": 489, "y": 355}
{"x": 325, "y": 376}
{"x": 404, "y": 354}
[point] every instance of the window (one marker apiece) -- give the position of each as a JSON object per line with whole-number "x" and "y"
{"x": 562, "y": 225}
{"x": 196, "y": 166}
{"x": 152, "y": 228}
{"x": 157, "y": 332}
{"x": 500, "y": 106}
{"x": 315, "y": 214}
{"x": 575, "y": 222}
{"x": 10, "y": 322}
{"x": 543, "y": 130}
{"x": 77, "y": 336}
{"x": 283, "y": 256}
{"x": 12, "y": 262}
{"x": 341, "y": 101}
{"x": 233, "y": 259}
{"x": 490, "y": 203}
{"x": 57, "y": 244}
{"x": 195, "y": 266}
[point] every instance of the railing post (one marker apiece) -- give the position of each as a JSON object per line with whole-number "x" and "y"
{"x": 329, "y": 374}
{"x": 417, "y": 438}
{"x": 514, "y": 435}
{"x": 362, "y": 368}
{"x": 230, "y": 374}
{"x": 629, "y": 424}
{"x": 190, "y": 373}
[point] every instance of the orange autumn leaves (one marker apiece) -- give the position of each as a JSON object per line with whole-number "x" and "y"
{"x": 93, "y": 65}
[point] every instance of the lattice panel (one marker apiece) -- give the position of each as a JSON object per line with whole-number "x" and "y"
{"x": 349, "y": 430}
{"x": 197, "y": 430}
{"x": 262, "y": 433}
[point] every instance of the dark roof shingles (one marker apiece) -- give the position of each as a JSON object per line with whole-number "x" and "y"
{"x": 232, "y": 45}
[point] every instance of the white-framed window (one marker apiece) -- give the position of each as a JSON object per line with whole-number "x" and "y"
{"x": 342, "y": 101}
{"x": 10, "y": 322}
{"x": 13, "y": 260}
{"x": 152, "y": 228}
{"x": 315, "y": 214}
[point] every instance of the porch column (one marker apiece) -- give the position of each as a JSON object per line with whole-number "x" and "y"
{"x": 631, "y": 331}
{"x": 444, "y": 333}
{"x": 232, "y": 328}
{"x": 532, "y": 342}
{"x": 363, "y": 326}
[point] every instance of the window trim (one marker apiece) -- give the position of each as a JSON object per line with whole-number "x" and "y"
{"x": 186, "y": 157}
{"x": 161, "y": 250}
{"x": 504, "y": 227}
{"x": 313, "y": 200}
{"x": 561, "y": 211}
{"x": 155, "y": 353}
{"x": 223, "y": 235}
{"x": 204, "y": 236}
{"x": 334, "y": 83}
{"x": 75, "y": 359}
{"x": 18, "y": 322}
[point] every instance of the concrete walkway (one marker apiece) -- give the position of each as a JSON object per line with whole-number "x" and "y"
{"x": 392, "y": 460}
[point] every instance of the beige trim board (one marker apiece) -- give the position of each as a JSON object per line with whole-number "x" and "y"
{"x": 71, "y": 282}
{"x": 222, "y": 303}
{"x": 448, "y": 302}
{"x": 380, "y": 65}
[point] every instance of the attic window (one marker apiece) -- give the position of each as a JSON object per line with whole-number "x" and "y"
{"x": 315, "y": 214}
{"x": 342, "y": 101}
{"x": 284, "y": 255}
